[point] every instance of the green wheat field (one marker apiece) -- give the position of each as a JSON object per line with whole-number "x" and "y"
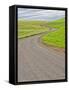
{"x": 56, "y": 38}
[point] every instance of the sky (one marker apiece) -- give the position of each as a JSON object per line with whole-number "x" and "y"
{"x": 40, "y": 14}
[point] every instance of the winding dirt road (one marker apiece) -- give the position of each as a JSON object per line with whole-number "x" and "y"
{"x": 36, "y": 62}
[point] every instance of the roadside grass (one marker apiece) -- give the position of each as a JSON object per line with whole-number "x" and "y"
{"x": 57, "y": 37}
{"x": 29, "y": 28}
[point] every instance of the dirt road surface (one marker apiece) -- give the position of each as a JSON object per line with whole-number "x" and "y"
{"x": 36, "y": 62}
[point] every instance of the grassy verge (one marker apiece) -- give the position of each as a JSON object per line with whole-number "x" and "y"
{"x": 57, "y": 37}
{"x": 29, "y": 28}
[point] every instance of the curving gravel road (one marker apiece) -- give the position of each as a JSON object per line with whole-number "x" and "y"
{"x": 37, "y": 62}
